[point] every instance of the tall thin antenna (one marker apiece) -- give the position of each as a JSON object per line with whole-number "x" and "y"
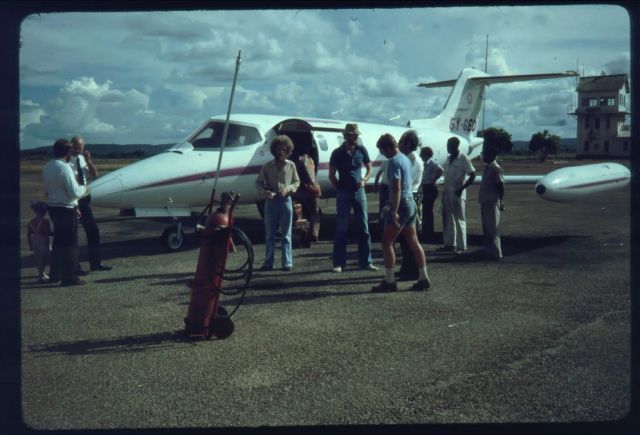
{"x": 226, "y": 125}
{"x": 484, "y": 88}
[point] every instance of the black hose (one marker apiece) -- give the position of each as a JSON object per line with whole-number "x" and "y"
{"x": 244, "y": 241}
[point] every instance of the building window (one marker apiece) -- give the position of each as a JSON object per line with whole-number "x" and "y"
{"x": 603, "y": 101}
{"x": 606, "y": 146}
{"x": 597, "y": 123}
{"x": 608, "y": 121}
{"x": 611, "y": 101}
{"x": 625, "y": 146}
{"x": 586, "y": 146}
{"x": 586, "y": 122}
{"x": 593, "y": 102}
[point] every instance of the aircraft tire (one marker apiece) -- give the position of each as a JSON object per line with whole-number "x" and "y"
{"x": 171, "y": 239}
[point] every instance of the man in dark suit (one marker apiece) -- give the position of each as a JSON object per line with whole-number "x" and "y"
{"x": 83, "y": 167}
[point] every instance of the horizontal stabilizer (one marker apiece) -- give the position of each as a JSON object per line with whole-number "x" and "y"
{"x": 488, "y": 80}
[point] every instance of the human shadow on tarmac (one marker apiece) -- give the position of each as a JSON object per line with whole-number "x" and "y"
{"x": 511, "y": 246}
{"x": 26, "y": 280}
{"x": 123, "y": 249}
{"x": 289, "y": 297}
{"x": 127, "y": 344}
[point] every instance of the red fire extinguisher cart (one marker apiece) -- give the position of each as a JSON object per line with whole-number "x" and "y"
{"x": 204, "y": 318}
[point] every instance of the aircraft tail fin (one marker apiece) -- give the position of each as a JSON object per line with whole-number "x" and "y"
{"x": 460, "y": 112}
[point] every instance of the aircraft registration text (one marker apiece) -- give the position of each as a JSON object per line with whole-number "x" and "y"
{"x": 464, "y": 124}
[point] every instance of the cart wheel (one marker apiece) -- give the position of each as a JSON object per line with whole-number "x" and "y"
{"x": 172, "y": 239}
{"x": 222, "y": 327}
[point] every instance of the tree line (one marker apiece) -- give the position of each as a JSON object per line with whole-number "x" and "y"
{"x": 47, "y": 153}
{"x": 542, "y": 142}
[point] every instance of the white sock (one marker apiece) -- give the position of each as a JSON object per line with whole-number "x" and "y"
{"x": 388, "y": 275}
{"x": 422, "y": 271}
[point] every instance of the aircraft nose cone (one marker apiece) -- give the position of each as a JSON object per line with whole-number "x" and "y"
{"x": 106, "y": 191}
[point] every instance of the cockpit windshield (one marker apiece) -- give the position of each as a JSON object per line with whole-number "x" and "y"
{"x": 210, "y": 135}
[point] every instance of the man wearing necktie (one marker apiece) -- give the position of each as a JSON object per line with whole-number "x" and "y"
{"x": 82, "y": 166}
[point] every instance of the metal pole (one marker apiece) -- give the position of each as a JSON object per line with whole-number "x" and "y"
{"x": 484, "y": 88}
{"x": 226, "y": 125}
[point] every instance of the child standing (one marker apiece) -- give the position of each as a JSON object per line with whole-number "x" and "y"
{"x": 38, "y": 232}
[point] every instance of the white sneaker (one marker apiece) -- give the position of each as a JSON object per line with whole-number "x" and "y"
{"x": 371, "y": 267}
{"x": 337, "y": 269}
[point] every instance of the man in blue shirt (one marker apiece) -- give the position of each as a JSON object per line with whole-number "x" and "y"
{"x": 347, "y": 161}
{"x": 400, "y": 217}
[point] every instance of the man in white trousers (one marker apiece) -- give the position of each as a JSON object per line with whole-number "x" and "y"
{"x": 490, "y": 197}
{"x": 457, "y": 167}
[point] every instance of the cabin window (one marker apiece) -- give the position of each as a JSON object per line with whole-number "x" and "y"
{"x": 322, "y": 142}
{"x": 210, "y": 136}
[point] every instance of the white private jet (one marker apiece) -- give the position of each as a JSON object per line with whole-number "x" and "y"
{"x": 178, "y": 182}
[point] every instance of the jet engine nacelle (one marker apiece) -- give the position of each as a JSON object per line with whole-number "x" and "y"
{"x": 571, "y": 183}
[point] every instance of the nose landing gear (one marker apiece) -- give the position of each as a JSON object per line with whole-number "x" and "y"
{"x": 172, "y": 238}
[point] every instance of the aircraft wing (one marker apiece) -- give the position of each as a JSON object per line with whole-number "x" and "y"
{"x": 572, "y": 182}
{"x": 508, "y": 179}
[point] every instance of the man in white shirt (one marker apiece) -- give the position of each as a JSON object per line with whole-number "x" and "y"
{"x": 62, "y": 192}
{"x": 454, "y": 225}
{"x": 83, "y": 168}
{"x": 432, "y": 171}
{"x": 490, "y": 197}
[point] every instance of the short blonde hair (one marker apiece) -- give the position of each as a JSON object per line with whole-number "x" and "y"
{"x": 281, "y": 140}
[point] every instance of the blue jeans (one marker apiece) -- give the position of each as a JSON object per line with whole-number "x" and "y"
{"x": 278, "y": 211}
{"x": 345, "y": 200}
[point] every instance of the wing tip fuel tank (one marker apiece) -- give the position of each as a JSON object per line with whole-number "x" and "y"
{"x": 575, "y": 182}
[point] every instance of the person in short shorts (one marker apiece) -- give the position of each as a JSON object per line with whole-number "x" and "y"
{"x": 400, "y": 217}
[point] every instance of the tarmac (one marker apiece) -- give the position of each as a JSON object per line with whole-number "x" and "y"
{"x": 543, "y": 336}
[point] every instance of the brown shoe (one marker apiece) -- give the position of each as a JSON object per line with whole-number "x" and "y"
{"x": 421, "y": 285}
{"x": 385, "y": 287}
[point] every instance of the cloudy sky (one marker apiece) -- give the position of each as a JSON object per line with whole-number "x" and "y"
{"x": 153, "y": 77}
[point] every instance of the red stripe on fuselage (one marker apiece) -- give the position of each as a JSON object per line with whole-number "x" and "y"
{"x": 231, "y": 172}
{"x": 243, "y": 170}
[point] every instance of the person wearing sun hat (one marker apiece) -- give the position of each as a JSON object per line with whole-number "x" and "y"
{"x": 347, "y": 162}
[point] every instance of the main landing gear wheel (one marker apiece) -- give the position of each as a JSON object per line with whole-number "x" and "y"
{"x": 172, "y": 238}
